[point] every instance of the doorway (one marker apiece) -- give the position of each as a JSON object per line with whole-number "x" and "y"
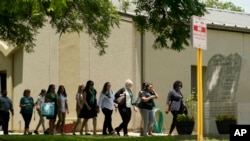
{"x": 3, "y": 80}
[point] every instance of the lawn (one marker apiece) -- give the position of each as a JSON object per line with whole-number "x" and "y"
{"x": 96, "y": 138}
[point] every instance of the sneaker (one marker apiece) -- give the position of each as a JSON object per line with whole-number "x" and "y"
{"x": 36, "y": 132}
{"x": 118, "y": 133}
{"x": 87, "y": 134}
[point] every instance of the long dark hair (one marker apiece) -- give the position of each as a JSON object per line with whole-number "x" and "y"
{"x": 50, "y": 87}
{"x": 88, "y": 85}
{"x": 105, "y": 87}
{"x": 59, "y": 91}
{"x": 143, "y": 87}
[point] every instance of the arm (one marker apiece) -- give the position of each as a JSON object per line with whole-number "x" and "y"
{"x": 66, "y": 105}
{"x": 22, "y": 104}
{"x": 11, "y": 108}
{"x": 78, "y": 101}
{"x": 146, "y": 99}
{"x": 155, "y": 93}
{"x": 100, "y": 100}
{"x": 168, "y": 102}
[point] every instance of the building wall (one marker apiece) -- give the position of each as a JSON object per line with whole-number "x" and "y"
{"x": 163, "y": 67}
{"x": 72, "y": 59}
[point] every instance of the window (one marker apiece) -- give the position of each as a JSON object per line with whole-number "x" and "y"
{"x": 194, "y": 79}
{"x": 2, "y": 81}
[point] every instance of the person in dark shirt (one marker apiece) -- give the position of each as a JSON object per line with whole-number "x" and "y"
{"x": 147, "y": 106}
{"x": 6, "y": 107}
{"x": 174, "y": 103}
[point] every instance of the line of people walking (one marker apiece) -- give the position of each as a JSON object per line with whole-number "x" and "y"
{"x": 87, "y": 107}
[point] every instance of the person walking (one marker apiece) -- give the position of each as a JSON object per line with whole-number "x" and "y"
{"x": 106, "y": 103}
{"x": 90, "y": 108}
{"x": 62, "y": 109}
{"x": 6, "y": 107}
{"x": 79, "y": 106}
{"x": 139, "y": 97}
{"x": 174, "y": 103}
{"x": 26, "y": 105}
{"x": 125, "y": 108}
{"x": 147, "y": 105}
{"x": 39, "y": 101}
{"x": 51, "y": 96}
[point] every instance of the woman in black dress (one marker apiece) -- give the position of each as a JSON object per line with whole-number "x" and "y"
{"x": 90, "y": 108}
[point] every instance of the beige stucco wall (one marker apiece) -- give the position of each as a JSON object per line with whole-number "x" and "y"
{"x": 163, "y": 67}
{"x": 72, "y": 60}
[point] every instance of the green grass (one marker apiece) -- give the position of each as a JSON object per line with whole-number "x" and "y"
{"x": 97, "y": 138}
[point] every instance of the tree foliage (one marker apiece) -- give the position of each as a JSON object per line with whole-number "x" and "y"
{"x": 168, "y": 20}
{"x": 223, "y": 5}
{"x": 20, "y": 20}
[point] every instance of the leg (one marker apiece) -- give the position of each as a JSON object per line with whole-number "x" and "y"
{"x": 141, "y": 124}
{"x": 174, "y": 113}
{"x": 83, "y": 125}
{"x": 145, "y": 115}
{"x": 94, "y": 125}
{"x": 40, "y": 121}
{"x": 109, "y": 123}
{"x": 86, "y": 129}
{"x": 78, "y": 120}
{"x": 122, "y": 112}
{"x": 151, "y": 122}
{"x": 58, "y": 124}
{"x": 5, "y": 122}
{"x": 127, "y": 119}
{"x": 105, "y": 124}
{"x": 63, "y": 122}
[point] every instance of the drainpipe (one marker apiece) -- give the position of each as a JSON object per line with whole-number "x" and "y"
{"x": 142, "y": 58}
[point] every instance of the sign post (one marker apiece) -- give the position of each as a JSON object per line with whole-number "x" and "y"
{"x": 199, "y": 41}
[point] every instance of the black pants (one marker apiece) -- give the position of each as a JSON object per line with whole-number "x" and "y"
{"x": 126, "y": 116}
{"x": 5, "y": 117}
{"x": 107, "y": 121}
{"x": 27, "y": 118}
{"x": 174, "y": 113}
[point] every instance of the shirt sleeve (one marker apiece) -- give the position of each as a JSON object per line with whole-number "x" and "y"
{"x": 169, "y": 97}
{"x": 100, "y": 100}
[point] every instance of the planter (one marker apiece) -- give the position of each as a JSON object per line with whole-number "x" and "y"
{"x": 223, "y": 126}
{"x": 185, "y": 128}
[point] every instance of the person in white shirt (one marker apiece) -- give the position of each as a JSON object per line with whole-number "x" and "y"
{"x": 39, "y": 101}
{"x": 62, "y": 109}
{"x": 79, "y": 105}
{"x": 106, "y": 103}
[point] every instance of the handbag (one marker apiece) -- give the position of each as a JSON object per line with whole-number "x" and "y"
{"x": 138, "y": 102}
{"x": 48, "y": 109}
{"x": 120, "y": 100}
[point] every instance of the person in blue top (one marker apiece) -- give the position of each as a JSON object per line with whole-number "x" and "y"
{"x": 106, "y": 103}
{"x": 6, "y": 107}
{"x": 26, "y": 105}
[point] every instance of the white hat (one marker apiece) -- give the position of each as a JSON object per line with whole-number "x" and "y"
{"x": 128, "y": 81}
